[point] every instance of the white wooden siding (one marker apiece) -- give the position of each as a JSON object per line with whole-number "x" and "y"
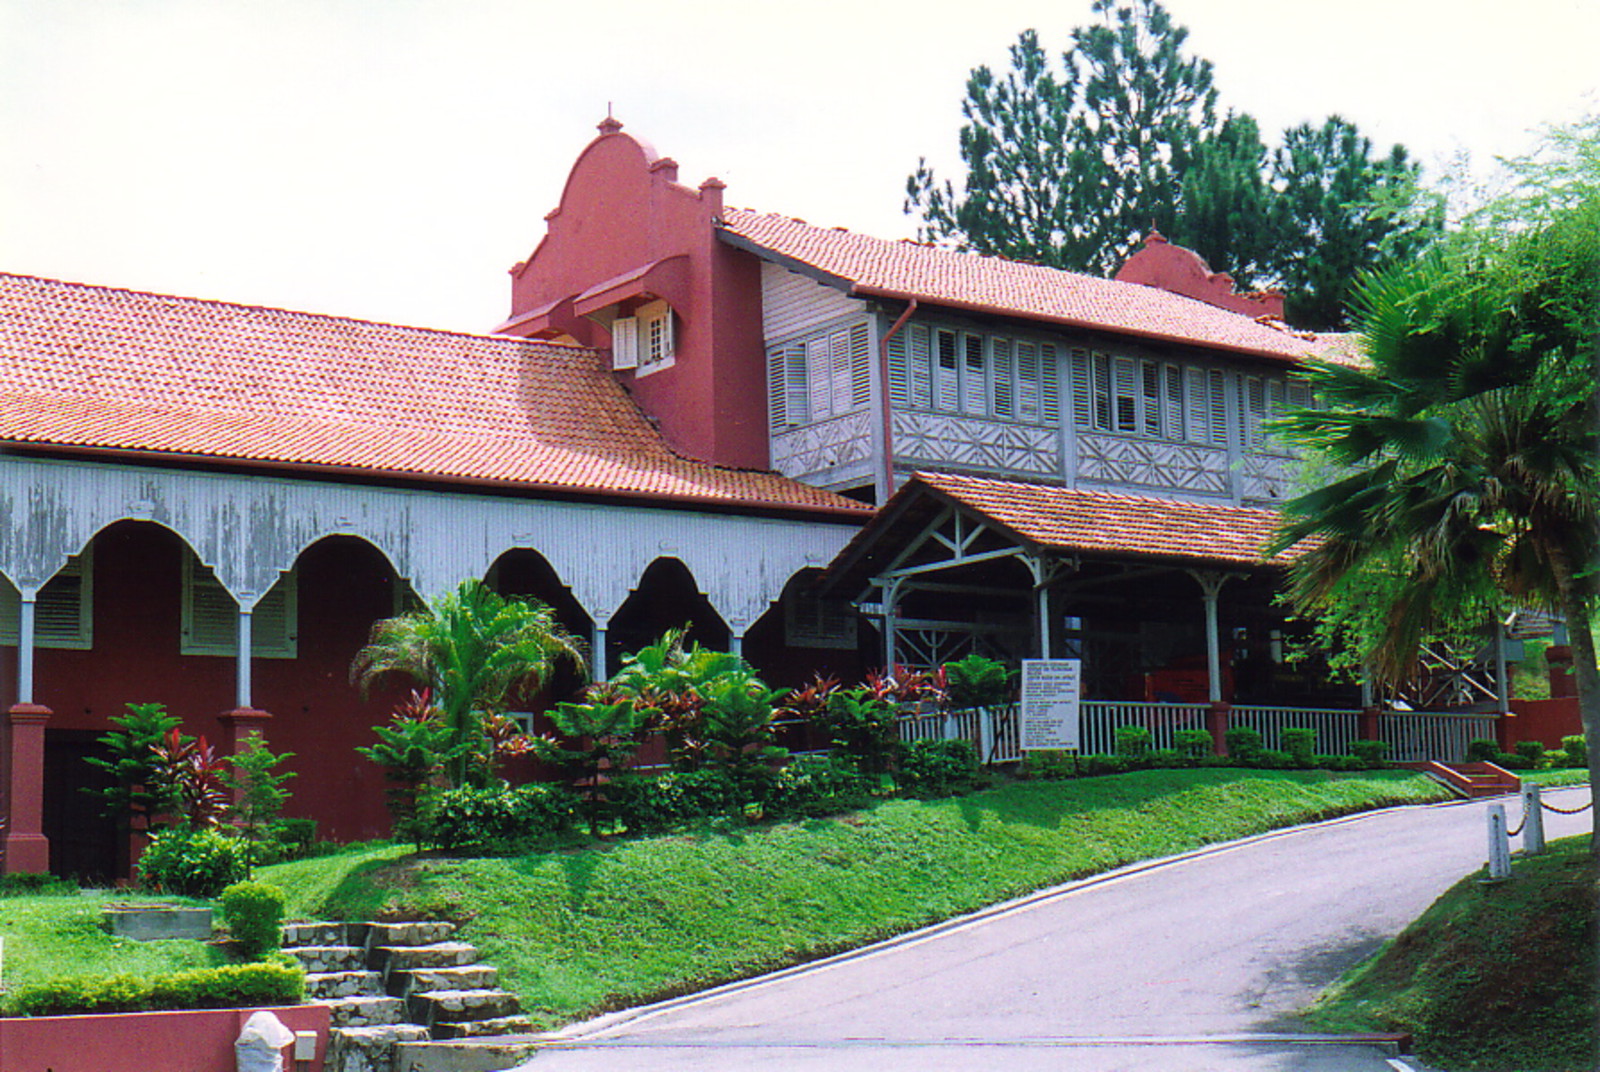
{"x": 791, "y": 304}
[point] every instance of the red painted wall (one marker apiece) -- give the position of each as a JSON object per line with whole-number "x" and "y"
{"x": 142, "y": 1041}
{"x": 1546, "y": 721}
{"x": 344, "y": 586}
{"x": 621, "y": 210}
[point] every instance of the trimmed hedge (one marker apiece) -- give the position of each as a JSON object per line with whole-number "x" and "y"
{"x": 254, "y": 911}
{"x": 499, "y": 821}
{"x": 194, "y": 863}
{"x": 229, "y": 987}
{"x": 938, "y": 768}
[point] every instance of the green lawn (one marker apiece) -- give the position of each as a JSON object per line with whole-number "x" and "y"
{"x": 580, "y": 931}
{"x": 51, "y": 935}
{"x": 1559, "y": 777}
{"x": 1490, "y": 977}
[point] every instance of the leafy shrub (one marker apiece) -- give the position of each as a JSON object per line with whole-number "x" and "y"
{"x": 254, "y": 914}
{"x": 1193, "y": 744}
{"x": 1133, "y": 741}
{"x": 1371, "y": 753}
{"x": 1100, "y": 764}
{"x": 1243, "y": 743}
{"x": 978, "y": 681}
{"x": 231, "y": 986}
{"x": 1301, "y": 744}
{"x": 194, "y": 863}
{"x": 497, "y": 821}
{"x": 293, "y": 839}
{"x": 1577, "y": 749}
{"x": 29, "y": 884}
{"x": 1556, "y": 757}
{"x": 1531, "y": 750}
{"x": 142, "y": 788}
{"x": 601, "y": 736}
{"x": 646, "y": 805}
{"x": 1049, "y": 765}
{"x": 1482, "y": 750}
{"x": 413, "y": 750}
{"x": 814, "y": 786}
{"x": 259, "y": 784}
{"x": 938, "y": 768}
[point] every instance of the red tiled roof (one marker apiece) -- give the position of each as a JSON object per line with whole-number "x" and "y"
{"x": 879, "y": 267}
{"x": 1073, "y": 519}
{"x": 87, "y": 366}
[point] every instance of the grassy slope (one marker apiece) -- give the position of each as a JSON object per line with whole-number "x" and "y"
{"x": 48, "y": 936}
{"x": 575, "y": 933}
{"x": 1490, "y": 977}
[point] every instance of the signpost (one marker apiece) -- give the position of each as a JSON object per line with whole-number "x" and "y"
{"x": 1050, "y": 689}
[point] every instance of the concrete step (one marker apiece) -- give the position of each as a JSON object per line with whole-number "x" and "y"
{"x": 419, "y": 932}
{"x": 343, "y": 984}
{"x": 321, "y": 959}
{"x": 456, "y": 1006}
{"x": 467, "y": 977}
{"x": 500, "y": 1025}
{"x": 397, "y": 958}
{"x": 369, "y": 1049}
{"x": 329, "y": 933}
{"x": 365, "y": 1010}
{"x": 463, "y": 1055}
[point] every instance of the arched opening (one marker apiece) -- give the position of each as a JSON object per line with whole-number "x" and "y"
{"x": 666, "y": 597}
{"x": 802, "y": 634}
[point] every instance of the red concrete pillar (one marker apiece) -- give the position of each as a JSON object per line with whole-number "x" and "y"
{"x": 26, "y": 847}
{"x": 1559, "y": 659}
{"x": 1217, "y": 722}
{"x": 1367, "y": 724}
{"x": 239, "y": 725}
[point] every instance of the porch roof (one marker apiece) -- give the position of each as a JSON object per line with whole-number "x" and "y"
{"x": 1051, "y": 518}
{"x": 153, "y": 375}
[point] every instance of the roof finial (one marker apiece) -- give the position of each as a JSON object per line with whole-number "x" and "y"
{"x": 610, "y": 124}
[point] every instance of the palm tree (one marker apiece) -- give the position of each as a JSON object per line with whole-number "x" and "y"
{"x": 1468, "y": 447}
{"x": 474, "y": 649}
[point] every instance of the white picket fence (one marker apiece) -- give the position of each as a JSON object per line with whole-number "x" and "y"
{"x": 996, "y": 731}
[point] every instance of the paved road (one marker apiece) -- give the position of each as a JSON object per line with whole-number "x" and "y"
{"x": 1181, "y": 964}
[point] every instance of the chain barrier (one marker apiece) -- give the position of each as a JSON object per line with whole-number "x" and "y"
{"x": 1565, "y": 811}
{"x": 1514, "y": 831}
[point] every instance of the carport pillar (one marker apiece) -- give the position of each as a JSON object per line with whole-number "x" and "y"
{"x": 1045, "y": 571}
{"x": 597, "y": 649}
{"x": 1211, "y": 584}
{"x": 26, "y": 617}
{"x": 891, "y": 596}
{"x": 736, "y": 640}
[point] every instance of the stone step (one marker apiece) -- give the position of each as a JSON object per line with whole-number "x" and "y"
{"x": 496, "y": 1027}
{"x": 369, "y": 1049}
{"x": 419, "y": 932}
{"x": 321, "y": 959}
{"x": 365, "y": 1010}
{"x": 396, "y": 958}
{"x": 456, "y": 1006}
{"x": 328, "y": 933}
{"x": 343, "y": 984}
{"x": 467, "y": 977}
{"x": 463, "y": 1055}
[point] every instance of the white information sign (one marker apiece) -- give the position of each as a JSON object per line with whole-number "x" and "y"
{"x": 1050, "y": 690}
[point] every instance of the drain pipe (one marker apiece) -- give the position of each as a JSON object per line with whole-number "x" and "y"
{"x": 886, "y": 476}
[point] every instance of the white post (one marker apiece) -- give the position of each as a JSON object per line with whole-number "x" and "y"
{"x": 891, "y": 596}
{"x": 1044, "y": 622}
{"x": 25, "y": 640}
{"x": 1532, "y": 820}
{"x": 1499, "y": 844}
{"x": 736, "y": 642}
{"x": 597, "y": 653}
{"x": 985, "y": 734}
{"x": 1210, "y": 588}
{"x": 243, "y": 655}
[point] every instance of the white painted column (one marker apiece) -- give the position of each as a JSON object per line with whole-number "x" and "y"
{"x": 736, "y": 642}
{"x": 25, "y": 645}
{"x": 891, "y": 595}
{"x": 244, "y": 654}
{"x": 1210, "y": 588}
{"x": 597, "y": 650}
{"x": 1044, "y": 623}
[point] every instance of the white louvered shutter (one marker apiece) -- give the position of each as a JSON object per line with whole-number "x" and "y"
{"x": 919, "y": 356}
{"x": 1004, "y": 372}
{"x": 625, "y": 342}
{"x": 860, "y": 366}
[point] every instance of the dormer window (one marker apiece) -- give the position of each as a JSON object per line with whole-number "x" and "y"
{"x": 646, "y": 340}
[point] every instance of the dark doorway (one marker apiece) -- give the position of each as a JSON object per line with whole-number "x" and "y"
{"x": 83, "y": 843}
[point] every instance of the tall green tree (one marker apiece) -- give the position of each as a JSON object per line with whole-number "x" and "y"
{"x": 474, "y": 649}
{"x": 1071, "y": 162}
{"x": 1337, "y": 211}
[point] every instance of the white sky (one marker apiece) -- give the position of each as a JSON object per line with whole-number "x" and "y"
{"x": 390, "y": 159}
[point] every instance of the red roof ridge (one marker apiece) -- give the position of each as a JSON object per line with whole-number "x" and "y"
{"x": 224, "y": 303}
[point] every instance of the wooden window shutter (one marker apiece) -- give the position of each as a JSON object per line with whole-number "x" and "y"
{"x": 625, "y": 342}
{"x": 1174, "y": 414}
{"x": 1150, "y": 388}
{"x": 1219, "y": 408}
{"x": 945, "y": 374}
{"x": 919, "y": 356}
{"x": 1123, "y": 371}
{"x": 1082, "y": 391}
{"x": 777, "y": 390}
{"x": 899, "y": 373}
{"x": 1049, "y": 384}
{"x": 1005, "y": 377}
{"x": 1198, "y": 409}
{"x": 63, "y": 612}
{"x": 839, "y": 355}
{"x": 820, "y": 376}
{"x": 860, "y": 366}
{"x": 974, "y": 376}
{"x": 1027, "y": 381}
{"x": 797, "y": 406}
{"x": 210, "y": 620}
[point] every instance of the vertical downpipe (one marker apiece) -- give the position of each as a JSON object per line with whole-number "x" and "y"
{"x": 886, "y": 473}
